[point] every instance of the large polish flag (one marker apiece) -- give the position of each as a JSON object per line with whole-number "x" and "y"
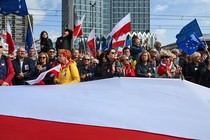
{"x": 10, "y": 42}
{"x": 122, "y": 27}
{"x": 78, "y": 27}
{"x": 119, "y": 42}
{"x": 91, "y": 42}
{"x": 55, "y": 70}
{"x": 108, "y": 109}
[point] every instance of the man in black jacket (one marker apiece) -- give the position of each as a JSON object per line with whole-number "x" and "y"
{"x": 64, "y": 42}
{"x": 24, "y": 67}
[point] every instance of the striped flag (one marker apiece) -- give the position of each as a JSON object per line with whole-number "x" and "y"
{"x": 91, "y": 42}
{"x": 122, "y": 27}
{"x": 10, "y": 42}
{"x": 88, "y": 111}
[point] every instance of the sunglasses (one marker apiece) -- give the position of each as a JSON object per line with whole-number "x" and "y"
{"x": 42, "y": 57}
{"x": 164, "y": 57}
{"x": 1, "y": 46}
{"x": 86, "y": 59}
{"x": 113, "y": 52}
{"x": 51, "y": 51}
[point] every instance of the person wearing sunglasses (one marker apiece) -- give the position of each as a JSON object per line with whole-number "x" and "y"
{"x": 6, "y": 69}
{"x": 166, "y": 68}
{"x": 86, "y": 70}
{"x": 112, "y": 66}
{"x": 127, "y": 68}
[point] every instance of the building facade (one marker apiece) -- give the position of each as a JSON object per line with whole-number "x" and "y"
{"x": 18, "y": 26}
{"x": 104, "y": 14}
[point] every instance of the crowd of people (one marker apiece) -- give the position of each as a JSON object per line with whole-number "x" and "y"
{"x": 138, "y": 60}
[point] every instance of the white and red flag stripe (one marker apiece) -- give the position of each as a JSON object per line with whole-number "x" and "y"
{"x": 55, "y": 70}
{"x": 122, "y": 27}
{"x": 91, "y": 42}
{"x": 119, "y": 42}
{"x": 9, "y": 41}
{"x": 78, "y": 27}
{"x": 88, "y": 111}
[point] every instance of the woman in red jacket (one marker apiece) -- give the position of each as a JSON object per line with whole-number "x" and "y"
{"x": 6, "y": 69}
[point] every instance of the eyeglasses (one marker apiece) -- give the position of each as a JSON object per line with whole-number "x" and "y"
{"x": 113, "y": 52}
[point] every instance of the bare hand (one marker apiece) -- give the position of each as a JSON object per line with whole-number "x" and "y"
{"x": 5, "y": 84}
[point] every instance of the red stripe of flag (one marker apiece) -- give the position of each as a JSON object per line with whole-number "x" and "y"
{"x": 17, "y": 128}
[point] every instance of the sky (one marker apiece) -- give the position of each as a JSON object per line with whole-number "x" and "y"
{"x": 168, "y": 17}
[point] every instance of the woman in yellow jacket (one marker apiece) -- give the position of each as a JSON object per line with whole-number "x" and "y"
{"x": 69, "y": 73}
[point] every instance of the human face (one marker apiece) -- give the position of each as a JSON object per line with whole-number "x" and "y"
{"x": 44, "y": 35}
{"x": 43, "y": 59}
{"x": 144, "y": 57}
{"x": 112, "y": 55}
{"x": 61, "y": 58}
{"x": 65, "y": 33}
{"x": 86, "y": 60}
{"x": 126, "y": 61}
{"x": 127, "y": 52}
{"x": 32, "y": 52}
{"x": 51, "y": 53}
{"x": 21, "y": 53}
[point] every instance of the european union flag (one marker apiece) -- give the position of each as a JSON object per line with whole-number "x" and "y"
{"x": 128, "y": 42}
{"x": 17, "y": 7}
{"x": 191, "y": 28}
{"x": 28, "y": 39}
{"x": 190, "y": 44}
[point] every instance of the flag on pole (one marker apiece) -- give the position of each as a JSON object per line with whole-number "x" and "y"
{"x": 4, "y": 34}
{"x": 122, "y": 27}
{"x": 78, "y": 27}
{"x": 189, "y": 29}
{"x": 119, "y": 42}
{"x": 190, "y": 44}
{"x": 10, "y": 42}
{"x": 120, "y": 51}
{"x": 53, "y": 70}
{"x": 17, "y": 7}
{"x": 91, "y": 42}
{"x": 99, "y": 44}
{"x": 28, "y": 38}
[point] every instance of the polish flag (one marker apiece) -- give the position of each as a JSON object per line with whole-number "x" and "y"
{"x": 122, "y": 27}
{"x": 91, "y": 42}
{"x": 88, "y": 111}
{"x": 120, "y": 51}
{"x": 78, "y": 27}
{"x": 119, "y": 42}
{"x": 10, "y": 42}
{"x": 4, "y": 34}
{"x": 55, "y": 70}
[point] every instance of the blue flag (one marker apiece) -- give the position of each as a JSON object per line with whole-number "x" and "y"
{"x": 17, "y": 7}
{"x": 189, "y": 29}
{"x": 190, "y": 44}
{"x": 28, "y": 39}
{"x": 128, "y": 42}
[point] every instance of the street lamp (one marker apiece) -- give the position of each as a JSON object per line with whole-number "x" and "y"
{"x": 91, "y": 8}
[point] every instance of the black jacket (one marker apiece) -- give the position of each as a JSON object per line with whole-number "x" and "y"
{"x": 28, "y": 69}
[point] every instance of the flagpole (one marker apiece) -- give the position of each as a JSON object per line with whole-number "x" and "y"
{"x": 29, "y": 22}
{"x": 206, "y": 49}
